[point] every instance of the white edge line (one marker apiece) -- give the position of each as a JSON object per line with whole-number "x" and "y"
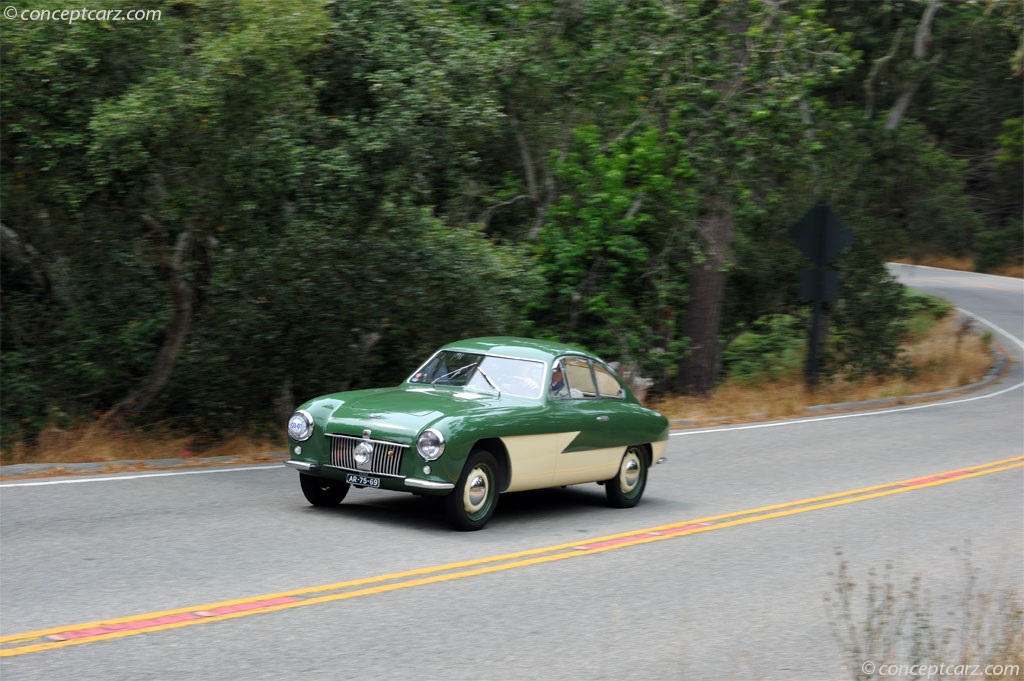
{"x": 1017, "y": 341}
{"x": 72, "y": 481}
{"x": 858, "y": 414}
{"x": 930, "y": 405}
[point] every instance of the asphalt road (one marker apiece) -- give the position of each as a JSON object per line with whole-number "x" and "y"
{"x": 722, "y": 572}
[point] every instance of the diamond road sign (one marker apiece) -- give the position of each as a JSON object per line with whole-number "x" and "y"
{"x": 820, "y": 234}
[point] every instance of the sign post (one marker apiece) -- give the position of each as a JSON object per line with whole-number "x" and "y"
{"x": 821, "y": 236}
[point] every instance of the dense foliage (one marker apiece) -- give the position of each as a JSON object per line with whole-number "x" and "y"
{"x": 211, "y": 216}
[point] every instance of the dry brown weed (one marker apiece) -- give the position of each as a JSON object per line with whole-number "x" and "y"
{"x": 950, "y": 356}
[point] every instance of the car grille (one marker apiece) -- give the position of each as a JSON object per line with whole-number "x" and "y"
{"x": 386, "y": 458}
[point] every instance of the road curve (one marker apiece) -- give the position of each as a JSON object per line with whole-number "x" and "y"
{"x": 722, "y": 571}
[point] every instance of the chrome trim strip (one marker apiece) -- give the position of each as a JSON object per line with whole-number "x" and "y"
{"x": 357, "y": 471}
{"x": 302, "y": 465}
{"x": 360, "y": 438}
{"x": 428, "y": 484}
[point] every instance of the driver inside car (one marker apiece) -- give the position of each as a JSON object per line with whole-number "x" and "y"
{"x": 558, "y": 386}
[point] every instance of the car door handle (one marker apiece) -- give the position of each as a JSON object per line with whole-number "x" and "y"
{"x": 602, "y": 418}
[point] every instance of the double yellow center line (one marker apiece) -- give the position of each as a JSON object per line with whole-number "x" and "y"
{"x": 106, "y": 630}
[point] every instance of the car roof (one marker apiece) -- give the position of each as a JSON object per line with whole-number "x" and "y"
{"x": 511, "y": 346}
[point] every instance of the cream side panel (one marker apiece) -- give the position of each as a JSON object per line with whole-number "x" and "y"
{"x": 534, "y": 457}
{"x": 588, "y": 466}
{"x": 658, "y": 450}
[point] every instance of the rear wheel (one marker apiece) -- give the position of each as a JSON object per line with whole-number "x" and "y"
{"x": 321, "y": 491}
{"x": 626, "y": 488}
{"x": 471, "y": 504}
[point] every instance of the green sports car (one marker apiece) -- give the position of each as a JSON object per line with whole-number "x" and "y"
{"x": 480, "y": 417}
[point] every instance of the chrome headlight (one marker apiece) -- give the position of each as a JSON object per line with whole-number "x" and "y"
{"x": 300, "y": 426}
{"x": 430, "y": 444}
{"x": 362, "y": 455}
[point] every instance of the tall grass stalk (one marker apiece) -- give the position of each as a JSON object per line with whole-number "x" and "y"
{"x": 892, "y": 622}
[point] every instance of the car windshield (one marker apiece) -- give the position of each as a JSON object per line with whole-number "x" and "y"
{"x": 504, "y": 375}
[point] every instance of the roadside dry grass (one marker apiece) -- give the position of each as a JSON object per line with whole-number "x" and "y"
{"x": 102, "y": 442}
{"x": 965, "y": 264}
{"x": 948, "y": 357}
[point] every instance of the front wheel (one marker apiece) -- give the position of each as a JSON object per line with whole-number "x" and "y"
{"x": 471, "y": 504}
{"x": 321, "y": 491}
{"x": 626, "y": 488}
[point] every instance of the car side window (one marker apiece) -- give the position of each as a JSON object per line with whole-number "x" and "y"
{"x": 572, "y": 377}
{"x": 607, "y": 384}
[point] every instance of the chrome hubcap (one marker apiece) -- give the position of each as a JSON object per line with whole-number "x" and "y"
{"x": 476, "y": 491}
{"x": 629, "y": 473}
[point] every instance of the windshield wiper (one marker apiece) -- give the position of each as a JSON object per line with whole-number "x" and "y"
{"x": 452, "y": 374}
{"x": 488, "y": 379}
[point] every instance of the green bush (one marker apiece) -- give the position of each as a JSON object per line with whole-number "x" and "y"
{"x": 773, "y": 348}
{"x": 923, "y": 311}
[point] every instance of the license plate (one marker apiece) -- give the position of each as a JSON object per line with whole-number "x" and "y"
{"x": 362, "y": 480}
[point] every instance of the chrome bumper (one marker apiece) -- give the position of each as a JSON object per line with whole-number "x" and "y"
{"x": 310, "y": 466}
{"x": 302, "y": 465}
{"x": 428, "y": 484}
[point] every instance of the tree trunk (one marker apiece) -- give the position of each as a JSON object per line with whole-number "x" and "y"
{"x": 20, "y": 252}
{"x": 922, "y": 38}
{"x": 171, "y": 268}
{"x": 702, "y": 322}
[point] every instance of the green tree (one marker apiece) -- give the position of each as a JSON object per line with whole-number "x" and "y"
{"x": 71, "y": 283}
{"x": 708, "y": 104}
{"x": 935, "y": 85}
{"x": 207, "y": 146}
{"x": 243, "y": 203}
{"x": 614, "y": 270}
{"x": 208, "y": 197}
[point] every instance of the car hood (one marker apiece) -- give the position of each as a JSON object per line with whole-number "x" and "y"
{"x": 397, "y": 414}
